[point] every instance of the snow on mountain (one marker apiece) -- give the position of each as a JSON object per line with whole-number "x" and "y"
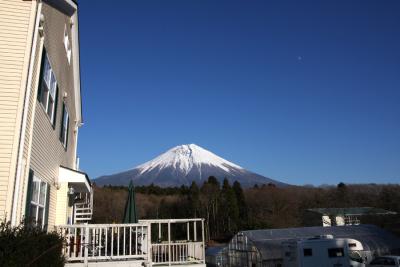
{"x": 183, "y": 164}
{"x": 185, "y": 158}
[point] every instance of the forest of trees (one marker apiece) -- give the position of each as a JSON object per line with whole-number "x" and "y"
{"x": 229, "y": 208}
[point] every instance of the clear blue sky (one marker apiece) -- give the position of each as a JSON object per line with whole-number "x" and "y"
{"x": 304, "y": 93}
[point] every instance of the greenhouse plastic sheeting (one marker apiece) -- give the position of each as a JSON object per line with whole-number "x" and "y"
{"x": 373, "y": 238}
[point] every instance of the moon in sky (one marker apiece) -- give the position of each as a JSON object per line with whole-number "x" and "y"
{"x": 299, "y": 58}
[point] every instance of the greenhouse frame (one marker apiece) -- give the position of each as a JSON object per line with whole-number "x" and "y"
{"x": 263, "y": 248}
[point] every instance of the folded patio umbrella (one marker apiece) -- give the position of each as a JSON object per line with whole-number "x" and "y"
{"x": 130, "y": 214}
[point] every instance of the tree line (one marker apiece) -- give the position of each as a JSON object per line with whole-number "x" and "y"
{"x": 228, "y": 208}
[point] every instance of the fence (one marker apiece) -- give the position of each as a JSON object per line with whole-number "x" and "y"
{"x": 121, "y": 242}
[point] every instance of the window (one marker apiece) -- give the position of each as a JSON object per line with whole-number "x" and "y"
{"x": 37, "y": 203}
{"x": 307, "y": 252}
{"x": 352, "y": 245}
{"x": 336, "y": 252}
{"x": 67, "y": 44}
{"x": 47, "y": 92}
{"x": 64, "y": 126}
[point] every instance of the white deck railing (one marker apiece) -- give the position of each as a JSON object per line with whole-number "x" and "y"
{"x": 94, "y": 242}
{"x": 177, "y": 253}
{"x": 121, "y": 242}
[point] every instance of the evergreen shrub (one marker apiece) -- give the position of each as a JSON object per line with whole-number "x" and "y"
{"x": 25, "y": 245}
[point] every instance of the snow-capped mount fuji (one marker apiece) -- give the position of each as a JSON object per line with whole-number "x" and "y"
{"x": 183, "y": 164}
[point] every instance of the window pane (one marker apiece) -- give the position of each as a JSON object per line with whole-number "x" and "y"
{"x": 35, "y": 191}
{"x": 53, "y": 86}
{"x": 47, "y": 72}
{"x": 45, "y": 96}
{"x": 66, "y": 118}
{"x": 42, "y": 193}
{"x": 64, "y": 131}
{"x": 32, "y": 213}
{"x": 63, "y": 135}
{"x": 335, "y": 252}
{"x": 307, "y": 252}
{"x": 40, "y": 216}
{"x": 50, "y": 108}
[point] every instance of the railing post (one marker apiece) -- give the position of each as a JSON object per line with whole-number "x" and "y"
{"x": 159, "y": 231}
{"x": 169, "y": 243}
{"x": 188, "y": 230}
{"x": 149, "y": 246}
{"x": 86, "y": 245}
{"x": 195, "y": 231}
{"x": 203, "y": 249}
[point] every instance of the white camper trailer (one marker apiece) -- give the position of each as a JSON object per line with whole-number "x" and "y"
{"x": 323, "y": 251}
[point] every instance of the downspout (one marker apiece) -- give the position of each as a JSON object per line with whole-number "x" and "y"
{"x": 76, "y": 60}
{"x": 76, "y": 131}
{"x": 24, "y": 118}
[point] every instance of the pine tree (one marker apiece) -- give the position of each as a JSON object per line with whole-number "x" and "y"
{"x": 241, "y": 201}
{"x": 229, "y": 208}
{"x": 210, "y": 199}
{"x": 194, "y": 199}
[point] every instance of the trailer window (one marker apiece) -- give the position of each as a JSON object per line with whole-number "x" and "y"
{"x": 335, "y": 252}
{"x": 307, "y": 252}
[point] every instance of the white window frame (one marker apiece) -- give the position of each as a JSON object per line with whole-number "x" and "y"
{"x": 67, "y": 44}
{"x": 49, "y": 92}
{"x": 37, "y": 203}
{"x": 65, "y": 125}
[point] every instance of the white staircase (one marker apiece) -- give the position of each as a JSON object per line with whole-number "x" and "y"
{"x": 83, "y": 208}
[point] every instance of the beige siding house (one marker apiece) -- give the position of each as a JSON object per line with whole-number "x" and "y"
{"x": 40, "y": 114}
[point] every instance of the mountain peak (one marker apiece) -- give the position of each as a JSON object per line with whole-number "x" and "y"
{"x": 185, "y": 158}
{"x": 182, "y": 165}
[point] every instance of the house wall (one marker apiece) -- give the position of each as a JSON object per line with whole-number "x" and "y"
{"x": 47, "y": 152}
{"x": 29, "y": 128}
{"x": 17, "y": 19}
{"x": 62, "y": 209}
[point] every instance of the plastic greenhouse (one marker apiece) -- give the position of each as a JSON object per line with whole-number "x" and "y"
{"x": 260, "y": 248}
